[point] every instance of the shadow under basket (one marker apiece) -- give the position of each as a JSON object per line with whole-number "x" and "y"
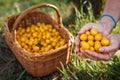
{"x": 47, "y": 62}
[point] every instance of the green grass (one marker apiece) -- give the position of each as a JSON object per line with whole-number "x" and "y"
{"x": 78, "y": 68}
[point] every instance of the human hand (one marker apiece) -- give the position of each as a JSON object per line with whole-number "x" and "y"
{"x": 102, "y": 28}
{"x": 106, "y": 52}
{"x": 98, "y": 26}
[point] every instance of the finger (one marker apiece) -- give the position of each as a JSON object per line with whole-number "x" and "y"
{"x": 101, "y": 56}
{"x": 107, "y": 56}
{"x": 85, "y": 28}
{"x": 95, "y": 54}
{"x": 100, "y": 28}
{"x": 105, "y": 33}
{"x": 80, "y": 54}
{"x": 77, "y": 42}
{"x": 89, "y": 56}
{"x": 110, "y": 48}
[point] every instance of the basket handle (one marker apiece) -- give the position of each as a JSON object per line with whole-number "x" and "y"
{"x": 59, "y": 18}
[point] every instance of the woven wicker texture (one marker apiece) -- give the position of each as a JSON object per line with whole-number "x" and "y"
{"x": 38, "y": 64}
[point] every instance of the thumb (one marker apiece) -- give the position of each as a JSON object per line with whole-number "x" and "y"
{"x": 85, "y": 28}
{"x": 105, "y": 33}
{"x": 108, "y": 48}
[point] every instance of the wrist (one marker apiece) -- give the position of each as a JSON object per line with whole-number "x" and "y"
{"x": 107, "y": 23}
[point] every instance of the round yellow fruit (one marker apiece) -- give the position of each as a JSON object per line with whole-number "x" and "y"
{"x": 83, "y": 37}
{"x": 105, "y": 42}
{"x": 92, "y": 49}
{"x": 82, "y": 42}
{"x": 93, "y": 31}
{"x": 91, "y": 43}
{"x": 87, "y": 32}
{"x": 97, "y": 46}
{"x": 98, "y": 37}
{"x": 93, "y": 40}
{"x": 85, "y": 46}
{"x": 39, "y": 38}
{"x": 90, "y": 37}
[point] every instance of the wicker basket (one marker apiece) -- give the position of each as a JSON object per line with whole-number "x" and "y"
{"x": 38, "y": 64}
